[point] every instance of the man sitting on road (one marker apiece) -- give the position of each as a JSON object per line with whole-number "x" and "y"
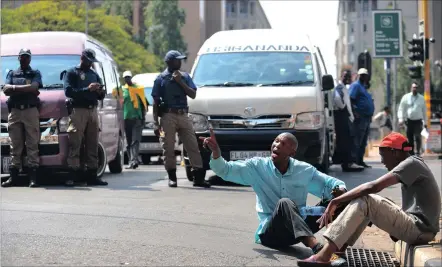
{"x": 281, "y": 184}
{"x": 416, "y": 223}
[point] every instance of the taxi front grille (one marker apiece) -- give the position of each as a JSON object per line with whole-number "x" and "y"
{"x": 369, "y": 258}
{"x": 46, "y": 124}
{"x": 260, "y": 122}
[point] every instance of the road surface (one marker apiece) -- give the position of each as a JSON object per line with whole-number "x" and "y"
{"x": 138, "y": 220}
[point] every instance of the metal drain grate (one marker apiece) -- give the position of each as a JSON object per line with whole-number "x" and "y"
{"x": 370, "y": 258}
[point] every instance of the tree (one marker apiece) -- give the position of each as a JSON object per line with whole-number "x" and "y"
{"x": 59, "y": 15}
{"x": 403, "y": 79}
{"x": 164, "y": 22}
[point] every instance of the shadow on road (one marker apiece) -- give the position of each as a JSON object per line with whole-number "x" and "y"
{"x": 293, "y": 251}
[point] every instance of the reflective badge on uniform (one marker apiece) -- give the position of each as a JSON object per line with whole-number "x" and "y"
{"x": 82, "y": 76}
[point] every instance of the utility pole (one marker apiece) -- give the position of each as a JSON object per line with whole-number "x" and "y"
{"x": 423, "y": 16}
{"x": 393, "y": 106}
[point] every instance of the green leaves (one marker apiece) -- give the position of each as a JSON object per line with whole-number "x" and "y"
{"x": 113, "y": 31}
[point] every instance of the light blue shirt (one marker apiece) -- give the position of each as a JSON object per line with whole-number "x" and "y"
{"x": 270, "y": 185}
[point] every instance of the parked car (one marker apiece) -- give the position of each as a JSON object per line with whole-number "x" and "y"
{"x": 52, "y": 53}
{"x": 150, "y": 144}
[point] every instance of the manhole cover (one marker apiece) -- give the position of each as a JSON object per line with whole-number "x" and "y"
{"x": 370, "y": 258}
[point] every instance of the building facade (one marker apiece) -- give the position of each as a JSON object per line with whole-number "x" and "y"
{"x": 356, "y": 27}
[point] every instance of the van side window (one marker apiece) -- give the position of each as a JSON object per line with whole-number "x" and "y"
{"x": 111, "y": 82}
{"x": 320, "y": 69}
{"x": 99, "y": 69}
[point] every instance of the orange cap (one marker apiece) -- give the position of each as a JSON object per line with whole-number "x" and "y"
{"x": 396, "y": 141}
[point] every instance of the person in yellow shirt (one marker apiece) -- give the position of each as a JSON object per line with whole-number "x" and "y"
{"x": 135, "y": 106}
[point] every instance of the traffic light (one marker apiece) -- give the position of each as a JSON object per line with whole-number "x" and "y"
{"x": 416, "y": 49}
{"x": 415, "y": 72}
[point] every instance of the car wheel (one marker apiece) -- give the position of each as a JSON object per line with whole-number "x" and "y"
{"x": 102, "y": 160}
{"x": 145, "y": 159}
{"x": 116, "y": 165}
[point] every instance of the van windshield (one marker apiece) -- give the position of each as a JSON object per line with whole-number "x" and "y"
{"x": 254, "y": 69}
{"x": 147, "y": 94}
{"x": 50, "y": 67}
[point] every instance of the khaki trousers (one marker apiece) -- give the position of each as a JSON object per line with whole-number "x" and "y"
{"x": 381, "y": 212}
{"x": 171, "y": 124}
{"x": 24, "y": 129}
{"x": 83, "y": 129}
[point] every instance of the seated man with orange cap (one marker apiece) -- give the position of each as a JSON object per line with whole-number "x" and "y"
{"x": 416, "y": 223}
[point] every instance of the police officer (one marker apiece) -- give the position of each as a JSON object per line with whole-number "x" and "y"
{"x": 22, "y": 87}
{"x": 343, "y": 117}
{"x": 170, "y": 91}
{"x": 83, "y": 88}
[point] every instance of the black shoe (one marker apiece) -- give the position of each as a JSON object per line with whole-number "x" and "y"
{"x": 352, "y": 168}
{"x": 199, "y": 179}
{"x": 363, "y": 164}
{"x": 172, "y": 178}
{"x": 33, "y": 177}
{"x": 92, "y": 178}
{"x": 14, "y": 177}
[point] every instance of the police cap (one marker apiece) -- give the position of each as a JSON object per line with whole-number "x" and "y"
{"x": 25, "y": 51}
{"x": 89, "y": 54}
{"x": 173, "y": 54}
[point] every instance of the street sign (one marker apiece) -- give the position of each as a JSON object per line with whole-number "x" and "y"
{"x": 387, "y": 33}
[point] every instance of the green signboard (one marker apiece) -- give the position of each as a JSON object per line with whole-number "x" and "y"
{"x": 387, "y": 33}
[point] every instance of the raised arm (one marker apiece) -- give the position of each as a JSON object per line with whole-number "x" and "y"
{"x": 322, "y": 184}
{"x": 234, "y": 171}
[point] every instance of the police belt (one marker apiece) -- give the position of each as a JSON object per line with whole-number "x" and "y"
{"x": 176, "y": 110}
{"x": 88, "y": 106}
{"x": 22, "y": 106}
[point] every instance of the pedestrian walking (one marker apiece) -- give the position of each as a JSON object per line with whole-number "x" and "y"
{"x": 412, "y": 112}
{"x": 22, "y": 86}
{"x": 343, "y": 117}
{"x": 83, "y": 88}
{"x": 363, "y": 109}
{"x": 135, "y": 107}
{"x": 385, "y": 121}
{"x": 170, "y": 91}
{"x": 416, "y": 222}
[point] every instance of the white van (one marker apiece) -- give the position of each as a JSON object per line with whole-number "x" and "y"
{"x": 150, "y": 144}
{"x": 255, "y": 84}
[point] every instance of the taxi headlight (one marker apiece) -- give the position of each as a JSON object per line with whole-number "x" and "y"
{"x": 309, "y": 121}
{"x": 63, "y": 124}
{"x": 200, "y": 122}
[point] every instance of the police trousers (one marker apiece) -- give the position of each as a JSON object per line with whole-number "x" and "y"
{"x": 172, "y": 123}
{"x": 83, "y": 131}
{"x": 24, "y": 129}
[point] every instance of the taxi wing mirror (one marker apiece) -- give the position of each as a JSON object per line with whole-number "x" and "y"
{"x": 327, "y": 82}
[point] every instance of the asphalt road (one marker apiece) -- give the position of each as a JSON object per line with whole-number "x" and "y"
{"x": 138, "y": 221}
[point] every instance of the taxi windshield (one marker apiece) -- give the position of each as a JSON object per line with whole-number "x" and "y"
{"x": 50, "y": 67}
{"x": 254, "y": 69}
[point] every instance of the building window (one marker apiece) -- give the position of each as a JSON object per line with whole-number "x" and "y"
{"x": 352, "y": 6}
{"x": 243, "y": 7}
{"x": 230, "y": 8}
{"x": 253, "y": 26}
{"x": 231, "y": 27}
{"x": 252, "y": 8}
{"x": 374, "y": 4}
{"x": 351, "y": 27}
{"x": 244, "y": 26}
{"x": 365, "y": 6}
{"x": 365, "y": 27}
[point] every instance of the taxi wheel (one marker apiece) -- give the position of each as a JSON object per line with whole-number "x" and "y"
{"x": 116, "y": 165}
{"x": 102, "y": 160}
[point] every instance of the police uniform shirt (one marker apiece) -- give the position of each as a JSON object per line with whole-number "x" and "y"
{"x": 179, "y": 97}
{"x": 24, "y": 77}
{"x": 341, "y": 99}
{"x": 76, "y": 82}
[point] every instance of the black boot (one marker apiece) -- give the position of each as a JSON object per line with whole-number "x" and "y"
{"x": 199, "y": 178}
{"x": 32, "y": 177}
{"x": 13, "y": 179}
{"x": 93, "y": 179}
{"x": 172, "y": 178}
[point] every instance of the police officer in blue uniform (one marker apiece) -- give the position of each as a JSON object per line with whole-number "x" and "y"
{"x": 22, "y": 87}
{"x": 83, "y": 88}
{"x": 170, "y": 91}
